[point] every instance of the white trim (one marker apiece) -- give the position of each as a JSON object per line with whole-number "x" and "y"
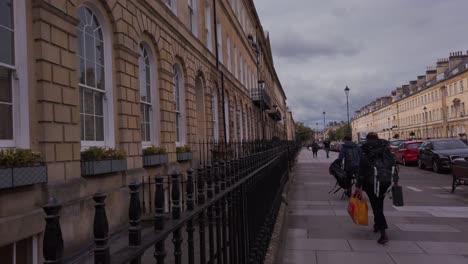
{"x": 215, "y": 108}
{"x": 209, "y": 37}
{"x": 108, "y": 102}
{"x": 172, "y": 5}
{"x": 228, "y": 48}
{"x": 181, "y": 110}
{"x": 219, "y": 42}
{"x": 192, "y": 4}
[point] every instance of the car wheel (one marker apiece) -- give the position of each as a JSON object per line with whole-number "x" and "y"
{"x": 403, "y": 161}
{"x": 435, "y": 167}
{"x": 421, "y": 164}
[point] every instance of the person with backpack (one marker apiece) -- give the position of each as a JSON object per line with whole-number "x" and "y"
{"x": 315, "y": 149}
{"x": 349, "y": 157}
{"x": 326, "y": 146}
{"x": 377, "y": 171}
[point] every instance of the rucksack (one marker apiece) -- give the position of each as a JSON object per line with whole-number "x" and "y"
{"x": 351, "y": 158}
{"x": 384, "y": 170}
{"x": 340, "y": 175}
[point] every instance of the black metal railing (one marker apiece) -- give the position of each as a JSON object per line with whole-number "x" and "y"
{"x": 260, "y": 98}
{"x": 224, "y": 212}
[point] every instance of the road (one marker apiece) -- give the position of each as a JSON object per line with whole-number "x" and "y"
{"x": 432, "y": 227}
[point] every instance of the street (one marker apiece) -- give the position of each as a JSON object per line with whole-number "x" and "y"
{"x": 432, "y": 227}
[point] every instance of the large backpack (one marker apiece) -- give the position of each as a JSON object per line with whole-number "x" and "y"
{"x": 384, "y": 170}
{"x": 340, "y": 175}
{"x": 351, "y": 159}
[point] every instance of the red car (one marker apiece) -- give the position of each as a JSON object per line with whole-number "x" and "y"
{"x": 394, "y": 144}
{"x": 408, "y": 152}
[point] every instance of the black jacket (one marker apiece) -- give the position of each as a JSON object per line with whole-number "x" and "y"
{"x": 366, "y": 171}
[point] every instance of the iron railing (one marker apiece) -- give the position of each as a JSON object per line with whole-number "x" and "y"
{"x": 228, "y": 214}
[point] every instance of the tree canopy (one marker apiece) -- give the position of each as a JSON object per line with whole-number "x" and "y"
{"x": 303, "y": 133}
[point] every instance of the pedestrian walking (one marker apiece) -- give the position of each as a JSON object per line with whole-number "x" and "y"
{"x": 326, "y": 146}
{"x": 315, "y": 149}
{"x": 349, "y": 157}
{"x": 377, "y": 170}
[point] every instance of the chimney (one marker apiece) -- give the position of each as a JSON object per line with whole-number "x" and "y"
{"x": 413, "y": 86}
{"x": 455, "y": 59}
{"x": 406, "y": 89}
{"x": 399, "y": 92}
{"x": 421, "y": 80}
{"x": 431, "y": 73}
{"x": 442, "y": 65}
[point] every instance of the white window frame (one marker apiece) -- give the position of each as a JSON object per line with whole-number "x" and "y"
{"x": 241, "y": 69}
{"x": 20, "y": 80}
{"x": 215, "y": 109}
{"x": 181, "y": 103}
{"x": 228, "y": 48}
{"x": 172, "y": 4}
{"x": 108, "y": 105}
{"x": 219, "y": 42}
{"x": 153, "y": 118}
{"x": 193, "y": 18}
{"x": 209, "y": 37}
{"x": 34, "y": 244}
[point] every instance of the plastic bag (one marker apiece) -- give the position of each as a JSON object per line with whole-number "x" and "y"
{"x": 357, "y": 209}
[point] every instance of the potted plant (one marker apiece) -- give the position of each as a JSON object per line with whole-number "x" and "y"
{"x": 20, "y": 167}
{"x": 412, "y": 134}
{"x": 153, "y": 156}
{"x": 184, "y": 153}
{"x": 99, "y": 160}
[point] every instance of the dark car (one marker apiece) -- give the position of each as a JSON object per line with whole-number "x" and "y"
{"x": 438, "y": 153}
{"x": 394, "y": 145}
{"x": 407, "y": 152}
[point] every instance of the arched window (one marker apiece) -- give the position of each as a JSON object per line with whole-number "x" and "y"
{"x": 14, "y": 103}
{"x": 94, "y": 70}
{"x": 215, "y": 115}
{"x": 178, "y": 90}
{"x": 147, "y": 96}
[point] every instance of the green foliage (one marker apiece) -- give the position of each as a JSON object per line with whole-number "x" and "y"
{"x": 396, "y": 136}
{"x": 303, "y": 133}
{"x": 100, "y": 153}
{"x": 339, "y": 133}
{"x": 153, "y": 150}
{"x": 412, "y": 134}
{"x": 183, "y": 148}
{"x": 18, "y": 157}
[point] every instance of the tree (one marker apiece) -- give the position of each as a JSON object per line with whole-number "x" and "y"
{"x": 396, "y": 136}
{"x": 303, "y": 133}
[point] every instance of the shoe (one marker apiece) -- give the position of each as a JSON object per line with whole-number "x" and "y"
{"x": 383, "y": 238}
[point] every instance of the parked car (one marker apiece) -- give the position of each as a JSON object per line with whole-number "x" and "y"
{"x": 407, "y": 152}
{"x": 459, "y": 172}
{"x": 438, "y": 153}
{"x": 394, "y": 145}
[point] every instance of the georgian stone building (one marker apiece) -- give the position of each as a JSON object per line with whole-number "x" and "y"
{"x": 125, "y": 74}
{"x": 432, "y": 106}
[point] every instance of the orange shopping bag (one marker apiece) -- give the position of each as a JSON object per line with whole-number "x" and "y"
{"x": 357, "y": 209}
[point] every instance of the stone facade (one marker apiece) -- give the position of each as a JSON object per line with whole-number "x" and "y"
{"x": 51, "y": 117}
{"x": 431, "y": 106}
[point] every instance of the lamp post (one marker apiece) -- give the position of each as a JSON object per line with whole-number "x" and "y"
{"x": 323, "y": 124}
{"x": 425, "y": 119}
{"x": 347, "y": 107}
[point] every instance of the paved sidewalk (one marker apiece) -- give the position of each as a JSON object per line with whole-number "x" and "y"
{"x": 432, "y": 228}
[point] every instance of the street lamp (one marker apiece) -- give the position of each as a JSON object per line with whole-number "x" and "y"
{"x": 316, "y": 131}
{"x": 425, "y": 119}
{"x": 347, "y": 106}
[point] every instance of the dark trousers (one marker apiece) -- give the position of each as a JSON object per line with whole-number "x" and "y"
{"x": 377, "y": 204}
{"x": 314, "y": 153}
{"x": 327, "y": 150}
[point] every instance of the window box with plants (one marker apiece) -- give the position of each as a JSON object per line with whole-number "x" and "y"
{"x": 154, "y": 156}
{"x": 99, "y": 160}
{"x": 21, "y": 167}
{"x": 184, "y": 153}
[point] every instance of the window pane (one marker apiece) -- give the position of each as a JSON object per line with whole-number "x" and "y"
{"x": 6, "y": 44}
{"x": 100, "y": 52}
{"x": 98, "y": 98}
{"x": 90, "y": 73}
{"x": 88, "y": 102}
{"x": 5, "y": 85}
{"x": 23, "y": 251}
{"x": 82, "y": 126}
{"x": 177, "y": 128}
{"x": 6, "y": 254}
{"x": 6, "y": 13}
{"x": 6, "y": 125}
{"x": 100, "y": 83}
{"x": 89, "y": 124}
{"x": 81, "y": 71}
{"x": 148, "y": 133}
{"x": 89, "y": 44}
{"x": 99, "y": 128}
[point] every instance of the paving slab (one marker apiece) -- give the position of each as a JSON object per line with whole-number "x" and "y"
{"x": 328, "y": 257}
{"x": 296, "y": 232}
{"x": 459, "y": 248}
{"x": 404, "y": 258}
{"x": 299, "y": 257}
{"x": 392, "y": 246}
{"x": 317, "y": 244}
{"x": 426, "y": 228}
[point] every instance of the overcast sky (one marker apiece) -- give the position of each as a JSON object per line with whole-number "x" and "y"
{"x": 372, "y": 46}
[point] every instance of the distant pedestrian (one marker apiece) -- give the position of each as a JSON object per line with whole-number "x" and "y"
{"x": 315, "y": 149}
{"x": 326, "y": 146}
{"x": 350, "y": 155}
{"x": 377, "y": 170}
